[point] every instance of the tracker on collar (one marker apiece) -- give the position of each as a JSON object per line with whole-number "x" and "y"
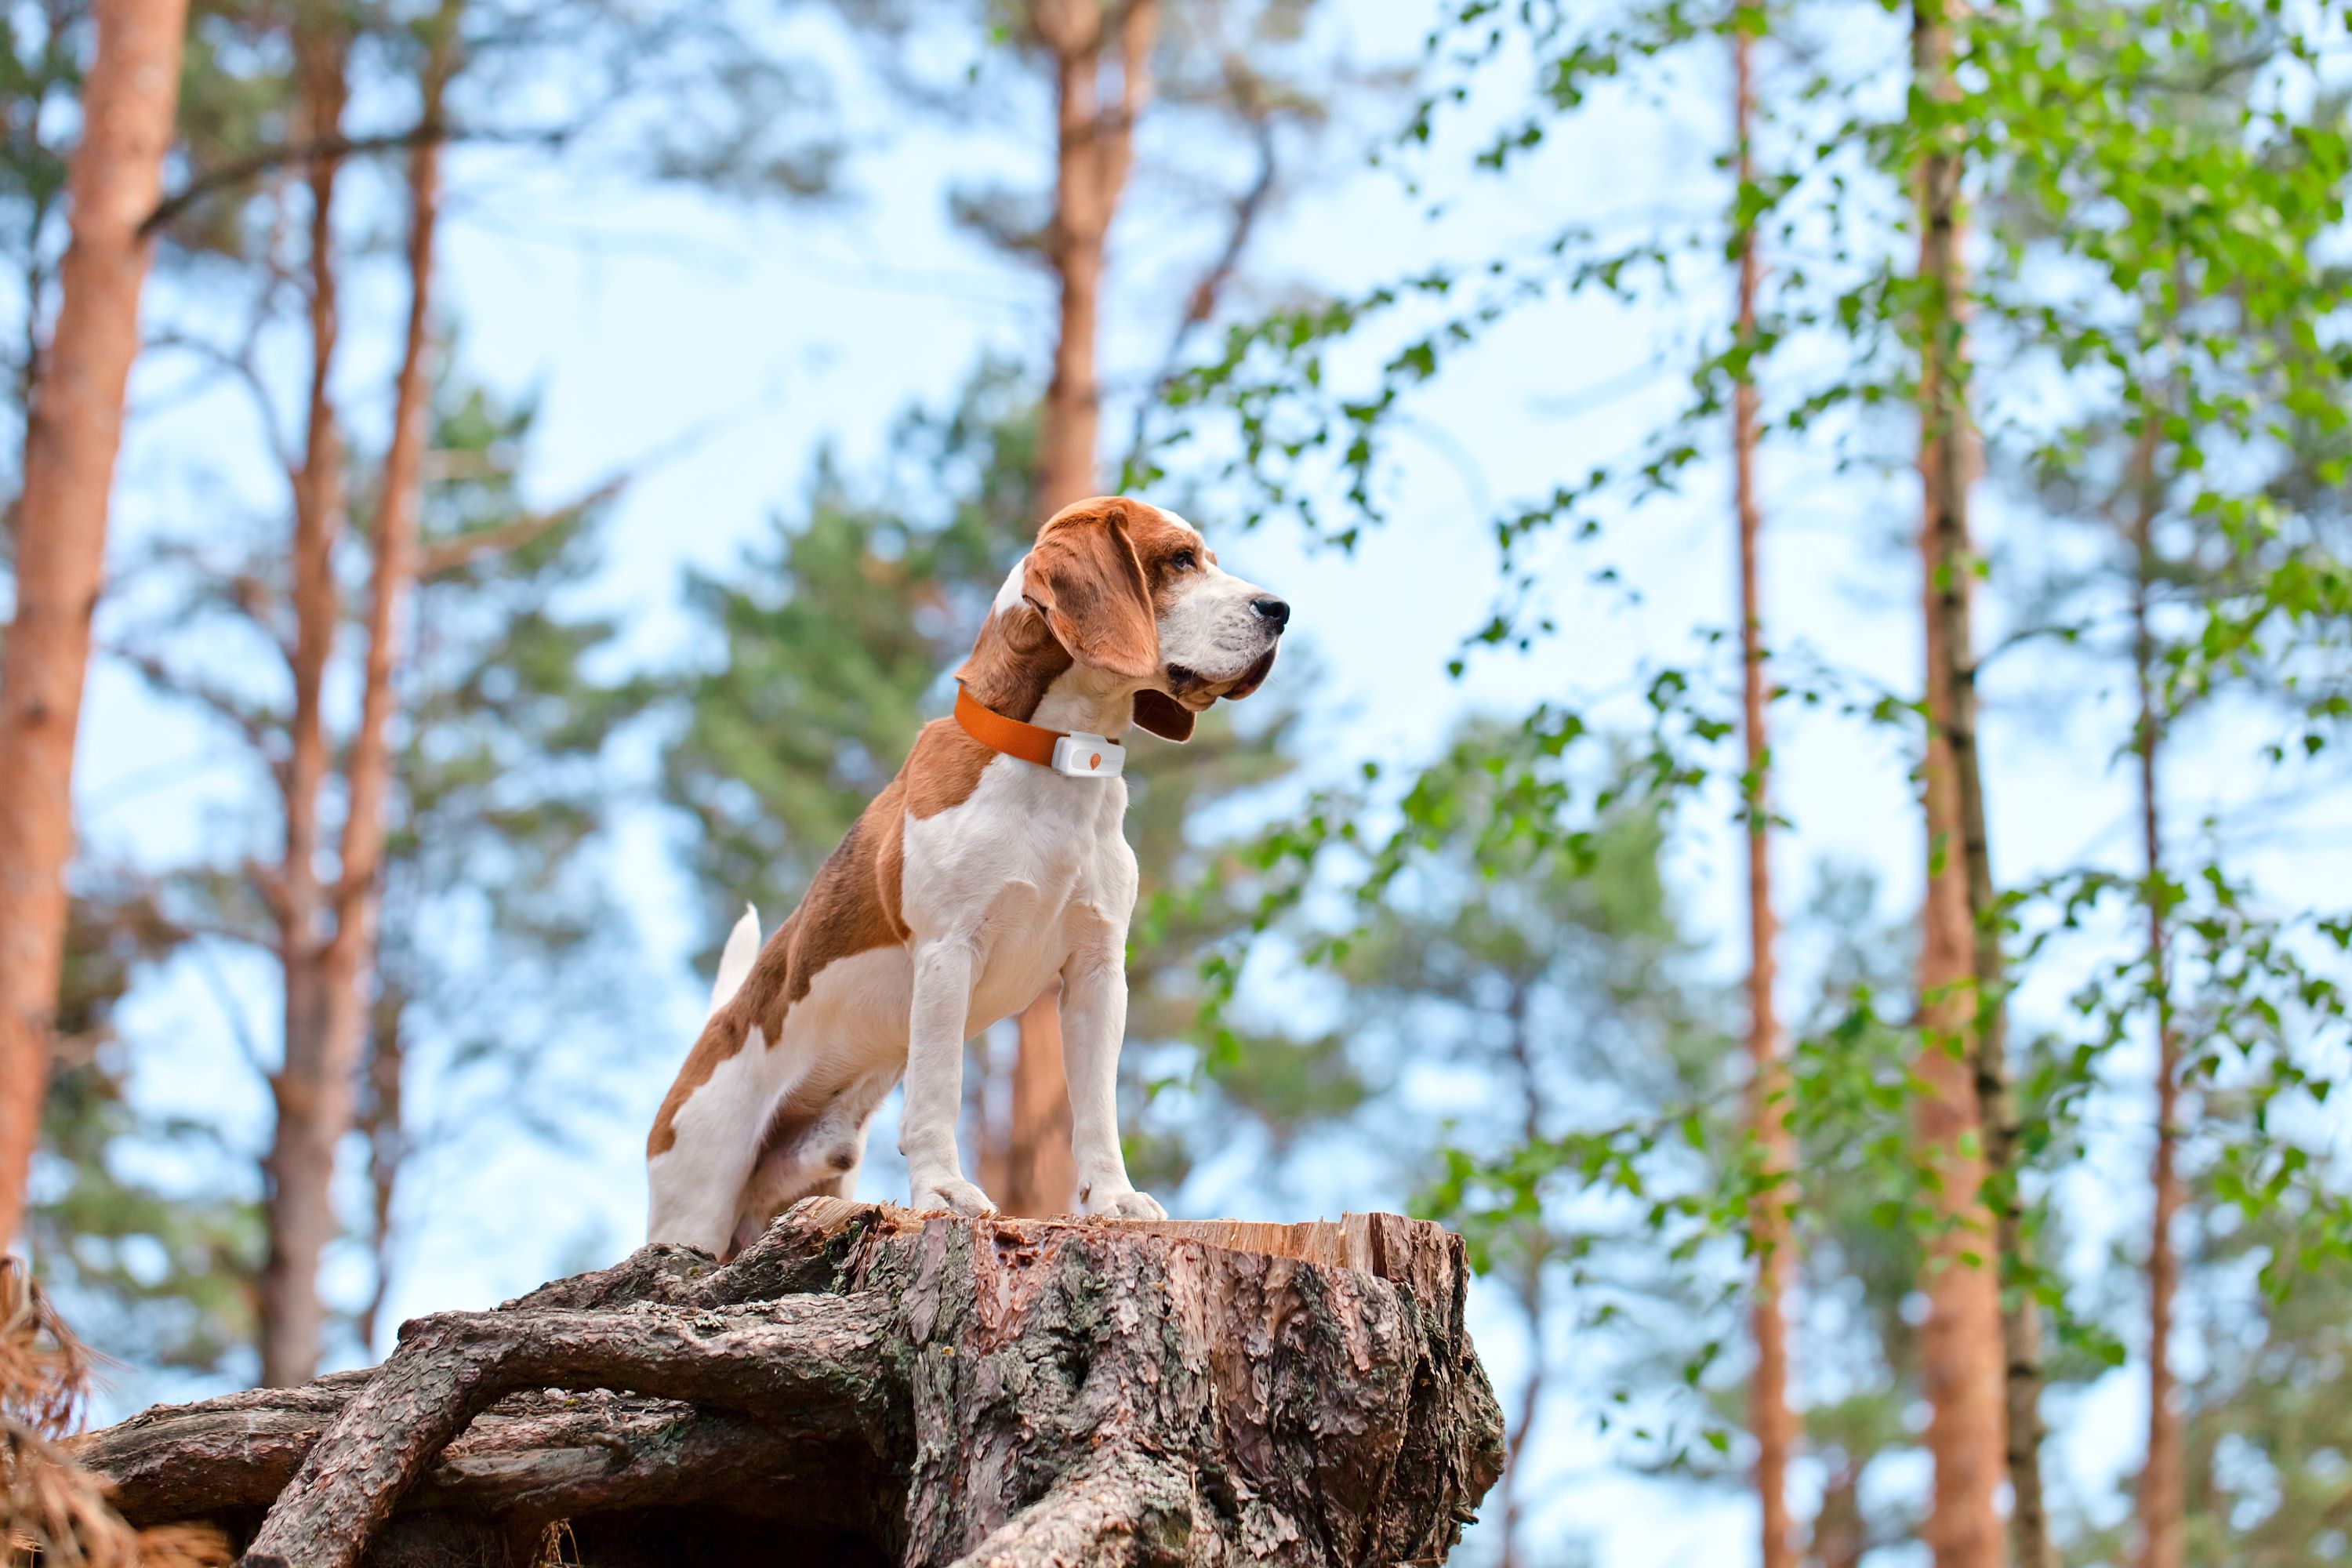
{"x": 1077, "y": 753}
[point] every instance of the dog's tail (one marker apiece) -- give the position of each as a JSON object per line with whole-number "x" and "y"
{"x": 735, "y": 961}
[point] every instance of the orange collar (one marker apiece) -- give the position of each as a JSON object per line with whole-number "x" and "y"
{"x": 1078, "y": 754}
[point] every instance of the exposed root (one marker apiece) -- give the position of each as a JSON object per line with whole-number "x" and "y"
{"x": 1126, "y": 1509}
{"x": 818, "y": 1361}
{"x": 871, "y": 1385}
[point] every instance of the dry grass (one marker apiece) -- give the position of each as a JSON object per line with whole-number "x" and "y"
{"x": 51, "y": 1512}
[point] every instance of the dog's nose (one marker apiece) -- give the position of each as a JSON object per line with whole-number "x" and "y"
{"x": 1272, "y": 609}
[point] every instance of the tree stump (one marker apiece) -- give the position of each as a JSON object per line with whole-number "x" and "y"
{"x": 871, "y": 1385}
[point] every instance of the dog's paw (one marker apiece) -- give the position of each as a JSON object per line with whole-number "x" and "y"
{"x": 954, "y": 1195}
{"x": 1120, "y": 1204}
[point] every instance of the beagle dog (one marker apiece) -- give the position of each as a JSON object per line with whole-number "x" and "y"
{"x": 990, "y": 865}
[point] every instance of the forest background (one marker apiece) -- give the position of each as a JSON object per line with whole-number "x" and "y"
{"x": 740, "y": 348}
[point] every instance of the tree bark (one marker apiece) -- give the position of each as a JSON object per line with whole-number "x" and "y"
{"x": 72, "y": 435}
{"x": 310, "y": 1097}
{"x": 2163, "y": 1483}
{"x": 1769, "y": 1419}
{"x": 897, "y": 1387}
{"x": 1093, "y": 146}
{"x": 1961, "y": 1342}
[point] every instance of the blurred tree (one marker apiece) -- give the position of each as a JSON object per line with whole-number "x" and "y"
{"x": 326, "y": 935}
{"x": 1977, "y": 1341}
{"x": 2212, "y": 405}
{"x": 1093, "y": 146}
{"x": 2041, "y": 105}
{"x": 45, "y": 53}
{"x": 2201, "y": 373}
{"x": 2266, "y": 1425}
{"x": 273, "y": 94}
{"x": 1539, "y": 990}
{"x": 1770, "y": 1420}
{"x": 73, "y": 427}
{"x": 353, "y": 956}
{"x": 497, "y": 902}
{"x": 2165, "y": 568}
{"x": 146, "y": 1266}
{"x": 487, "y": 991}
{"x": 321, "y": 921}
{"x": 1860, "y": 1265}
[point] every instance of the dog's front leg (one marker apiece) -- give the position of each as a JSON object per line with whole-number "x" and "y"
{"x": 940, "y": 1008}
{"x": 1094, "y": 1024}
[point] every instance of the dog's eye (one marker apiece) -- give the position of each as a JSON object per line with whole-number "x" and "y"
{"x": 1182, "y": 560}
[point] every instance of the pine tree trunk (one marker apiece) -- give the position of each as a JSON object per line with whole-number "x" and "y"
{"x": 382, "y": 1124}
{"x": 1531, "y": 1392}
{"x": 335, "y": 973}
{"x": 311, "y": 1098}
{"x": 345, "y": 969}
{"x": 871, "y": 1384}
{"x": 1960, "y": 1344}
{"x": 73, "y": 434}
{"x": 1534, "y": 1300}
{"x": 1841, "y": 1534}
{"x": 1944, "y": 406}
{"x": 1094, "y": 144}
{"x": 1959, "y": 1341}
{"x": 2163, "y": 1482}
{"x": 1770, "y": 1420}
{"x": 1040, "y": 1175}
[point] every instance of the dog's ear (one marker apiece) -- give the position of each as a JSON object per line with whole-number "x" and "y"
{"x": 1022, "y": 625}
{"x": 1163, "y": 715}
{"x": 1083, "y": 574}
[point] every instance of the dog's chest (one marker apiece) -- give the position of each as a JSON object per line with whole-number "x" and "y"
{"x": 1015, "y": 868}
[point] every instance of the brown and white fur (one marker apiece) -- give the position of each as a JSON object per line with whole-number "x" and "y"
{"x": 972, "y": 881}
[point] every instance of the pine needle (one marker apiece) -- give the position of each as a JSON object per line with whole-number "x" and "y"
{"x": 52, "y": 1511}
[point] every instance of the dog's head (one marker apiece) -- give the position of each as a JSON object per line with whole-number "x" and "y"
{"x": 1133, "y": 591}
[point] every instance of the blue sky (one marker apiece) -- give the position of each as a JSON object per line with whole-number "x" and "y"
{"x": 640, "y": 315}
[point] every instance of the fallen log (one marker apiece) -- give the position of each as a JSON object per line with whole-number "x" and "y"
{"x": 869, "y": 1385}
